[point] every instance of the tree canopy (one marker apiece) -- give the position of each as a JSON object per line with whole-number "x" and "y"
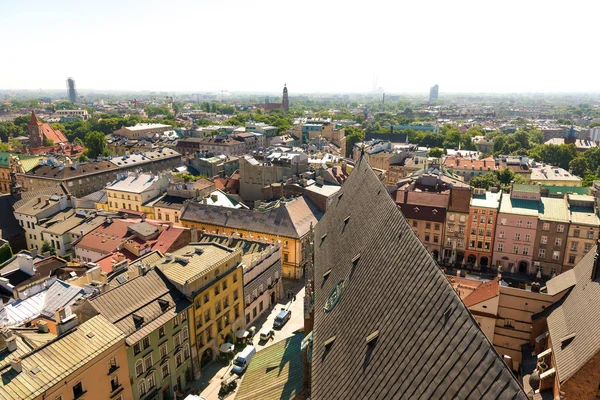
{"x": 95, "y": 142}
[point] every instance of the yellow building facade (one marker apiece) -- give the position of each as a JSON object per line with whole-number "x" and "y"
{"x": 291, "y": 248}
{"x": 210, "y": 275}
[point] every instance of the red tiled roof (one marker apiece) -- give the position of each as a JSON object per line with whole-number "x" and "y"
{"x": 484, "y": 292}
{"x": 106, "y": 237}
{"x": 55, "y": 135}
{"x": 166, "y": 239}
{"x": 470, "y": 164}
{"x": 227, "y": 185}
{"x": 106, "y": 263}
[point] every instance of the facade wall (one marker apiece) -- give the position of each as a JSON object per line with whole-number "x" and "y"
{"x": 168, "y": 215}
{"x": 162, "y": 375}
{"x": 549, "y": 249}
{"x": 514, "y": 242}
{"x": 580, "y": 240}
{"x": 430, "y": 233}
{"x": 480, "y": 230}
{"x": 263, "y": 288}
{"x": 95, "y": 377}
{"x": 455, "y": 236}
{"x": 217, "y": 315}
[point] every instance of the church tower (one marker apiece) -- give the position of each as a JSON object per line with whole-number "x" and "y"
{"x": 36, "y": 134}
{"x": 285, "y": 103}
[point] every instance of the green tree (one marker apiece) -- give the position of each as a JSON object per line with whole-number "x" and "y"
{"x": 353, "y": 135}
{"x": 16, "y": 144}
{"x": 578, "y": 166}
{"x": 485, "y": 181}
{"x": 435, "y": 152}
{"x": 96, "y": 144}
{"x": 48, "y": 142}
{"x": 47, "y": 247}
{"x": 4, "y": 147}
{"x": 5, "y": 253}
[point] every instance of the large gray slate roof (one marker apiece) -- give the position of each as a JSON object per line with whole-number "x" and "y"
{"x": 428, "y": 344}
{"x": 292, "y": 219}
{"x": 577, "y": 319}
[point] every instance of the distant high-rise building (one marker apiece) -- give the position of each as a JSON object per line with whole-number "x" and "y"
{"x": 71, "y": 90}
{"x": 433, "y": 93}
{"x": 285, "y": 104}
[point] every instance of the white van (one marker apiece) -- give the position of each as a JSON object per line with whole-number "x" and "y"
{"x": 241, "y": 361}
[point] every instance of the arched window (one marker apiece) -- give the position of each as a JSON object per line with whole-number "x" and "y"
{"x": 141, "y": 387}
{"x": 139, "y": 368}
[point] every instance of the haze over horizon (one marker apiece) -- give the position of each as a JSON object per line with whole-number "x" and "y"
{"x": 316, "y": 47}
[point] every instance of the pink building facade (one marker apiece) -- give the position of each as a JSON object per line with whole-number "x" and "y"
{"x": 516, "y": 228}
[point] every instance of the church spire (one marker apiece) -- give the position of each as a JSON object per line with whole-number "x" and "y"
{"x": 34, "y": 119}
{"x": 285, "y": 103}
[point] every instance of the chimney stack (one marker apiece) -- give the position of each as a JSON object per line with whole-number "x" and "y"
{"x": 15, "y": 364}
{"x": 11, "y": 343}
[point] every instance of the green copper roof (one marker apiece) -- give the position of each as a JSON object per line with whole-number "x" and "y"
{"x": 567, "y": 189}
{"x": 517, "y": 187}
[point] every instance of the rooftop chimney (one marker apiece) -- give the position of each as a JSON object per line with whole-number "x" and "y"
{"x": 11, "y": 343}
{"x": 15, "y": 364}
{"x": 42, "y": 326}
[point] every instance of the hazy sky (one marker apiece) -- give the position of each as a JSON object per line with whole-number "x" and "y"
{"x": 314, "y": 46}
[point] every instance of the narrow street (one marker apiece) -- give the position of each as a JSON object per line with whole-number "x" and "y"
{"x": 217, "y": 371}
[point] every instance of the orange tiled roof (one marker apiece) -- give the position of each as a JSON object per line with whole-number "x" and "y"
{"x": 484, "y": 292}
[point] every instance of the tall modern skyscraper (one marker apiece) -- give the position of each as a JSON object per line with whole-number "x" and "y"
{"x": 71, "y": 90}
{"x": 285, "y": 104}
{"x": 433, "y": 93}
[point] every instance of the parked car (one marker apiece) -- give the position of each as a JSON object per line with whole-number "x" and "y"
{"x": 282, "y": 318}
{"x": 241, "y": 361}
{"x": 267, "y": 334}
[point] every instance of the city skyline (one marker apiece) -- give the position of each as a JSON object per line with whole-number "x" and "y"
{"x": 197, "y": 47}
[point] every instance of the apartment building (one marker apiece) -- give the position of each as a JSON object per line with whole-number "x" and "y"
{"x": 83, "y": 179}
{"x": 583, "y": 229}
{"x": 468, "y": 168}
{"x": 132, "y": 192}
{"x": 288, "y": 222}
{"x": 17, "y": 163}
{"x": 153, "y": 315}
{"x": 483, "y": 213}
{"x": 210, "y": 275}
{"x": 261, "y": 264}
{"x": 551, "y": 236}
{"x": 516, "y": 229}
{"x": 88, "y": 361}
{"x": 143, "y": 130}
{"x": 457, "y": 220}
{"x": 218, "y": 144}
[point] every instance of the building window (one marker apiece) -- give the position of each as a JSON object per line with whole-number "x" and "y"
{"x": 590, "y": 234}
{"x": 558, "y": 242}
{"x": 114, "y": 383}
{"x": 178, "y": 359}
{"x": 285, "y": 257}
{"x": 529, "y": 224}
{"x": 516, "y": 249}
{"x": 161, "y": 332}
{"x": 136, "y": 348}
{"x": 560, "y": 228}
{"x": 436, "y": 227}
{"x": 206, "y": 295}
{"x": 184, "y": 333}
{"x": 576, "y": 233}
{"x": 142, "y": 388}
{"x": 480, "y": 231}
{"x": 527, "y": 237}
{"x": 414, "y": 223}
{"x": 571, "y": 258}
{"x": 500, "y": 247}
{"x": 186, "y": 352}
{"x": 436, "y": 239}
{"x": 542, "y": 253}
{"x": 553, "y": 271}
{"x": 165, "y": 370}
{"x": 587, "y": 247}
{"x": 556, "y": 255}
{"x": 148, "y": 362}
{"x": 475, "y": 217}
{"x": 176, "y": 218}
{"x": 520, "y": 223}
{"x": 546, "y": 226}
{"x": 151, "y": 381}
{"x": 573, "y": 246}
{"x": 206, "y": 315}
{"x": 427, "y": 225}
{"x": 479, "y": 244}
{"x": 473, "y": 231}
{"x": 544, "y": 239}
{"x": 235, "y": 294}
{"x": 490, "y": 219}
{"x": 501, "y": 235}
{"x": 78, "y": 390}
{"x": 488, "y": 232}
{"x": 427, "y": 238}
{"x": 146, "y": 342}
{"x": 517, "y": 236}
{"x": 112, "y": 365}
{"x": 164, "y": 350}
{"x": 482, "y": 220}
{"x": 167, "y": 217}
{"x": 451, "y": 217}
{"x": 461, "y": 230}
{"x": 525, "y": 251}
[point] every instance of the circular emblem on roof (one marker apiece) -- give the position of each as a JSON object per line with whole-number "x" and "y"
{"x": 334, "y": 296}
